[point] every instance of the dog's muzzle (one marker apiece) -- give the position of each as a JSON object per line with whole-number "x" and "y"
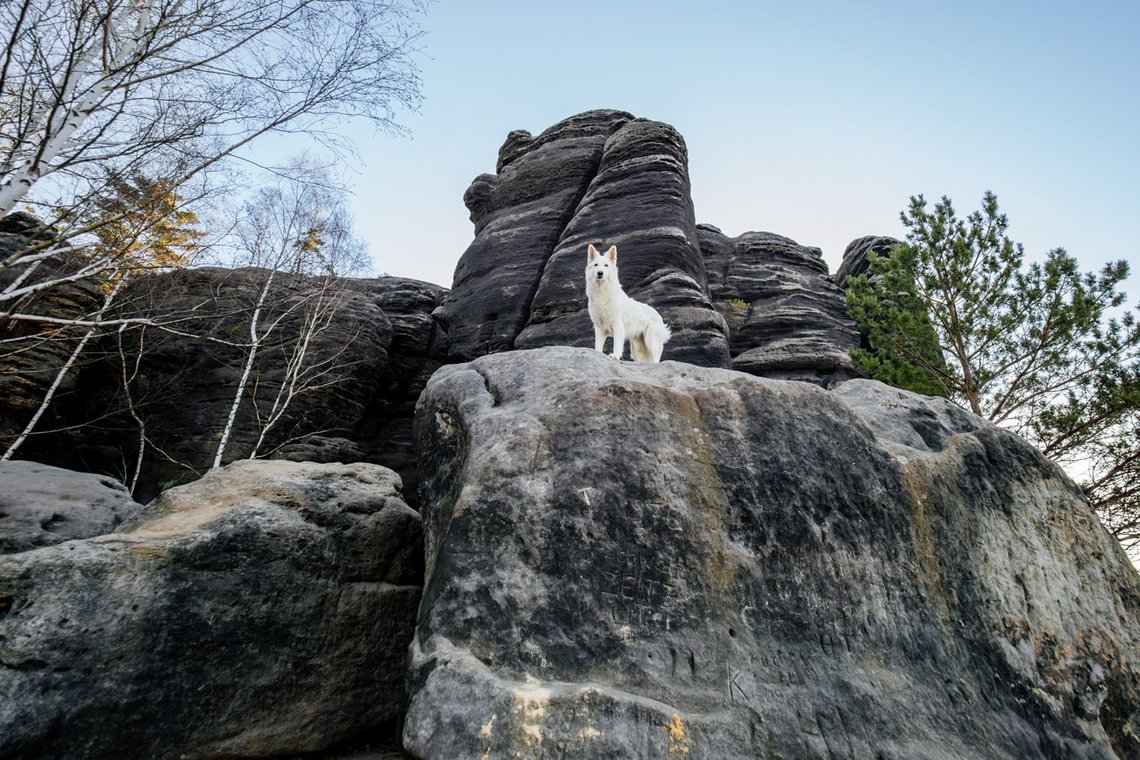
{"x": 601, "y": 275}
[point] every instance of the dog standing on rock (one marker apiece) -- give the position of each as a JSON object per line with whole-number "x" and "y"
{"x": 616, "y": 314}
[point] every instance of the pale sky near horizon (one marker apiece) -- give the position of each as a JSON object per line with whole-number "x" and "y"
{"x": 813, "y": 120}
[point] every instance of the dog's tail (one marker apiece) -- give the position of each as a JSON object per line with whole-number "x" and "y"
{"x": 656, "y": 337}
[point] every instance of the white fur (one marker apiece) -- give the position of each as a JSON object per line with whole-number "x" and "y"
{"x": 616, "y": 314}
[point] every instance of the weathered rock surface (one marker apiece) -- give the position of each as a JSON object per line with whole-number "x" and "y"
{"x": 361, "y": 375}
{"x": 28, "y": 363}
{"x": 787, "y": 319}
{"x": 519, "y": 214}
{"x": 855, "y": 257}
{"x": 654, "y": 560}
{"x": 42, "y": 505}
{"x": 601, "y": 177}
{"x": 265, "y": 609}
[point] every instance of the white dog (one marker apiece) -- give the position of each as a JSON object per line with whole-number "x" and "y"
{"x": 616, "y": 314}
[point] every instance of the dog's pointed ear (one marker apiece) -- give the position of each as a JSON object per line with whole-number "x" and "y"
{"x": 612, "y": 253}
{"x": 592, "y": 251}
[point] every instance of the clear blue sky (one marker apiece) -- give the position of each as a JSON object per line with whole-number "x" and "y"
{"x": 814, "y": 120}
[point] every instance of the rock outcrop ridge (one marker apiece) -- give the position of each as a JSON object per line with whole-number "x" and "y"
{"x": 759, "y": 303}
{"x": 786, "y": 317}
{"x": 600, "y": 176}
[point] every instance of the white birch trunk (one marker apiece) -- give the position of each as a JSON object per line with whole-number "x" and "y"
{"x": 59, "y": 133}
{"x": 255, "y": 343}
{"x": 294, "y": 372}
{"x": 31, "y": 426}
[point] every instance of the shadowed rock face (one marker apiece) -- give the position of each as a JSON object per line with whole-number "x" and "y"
{"x": 28, "y": 363}
{"x": 601, "y": 177}
{"x": 656, "y": 560}
{"x": 786, "y": 318}
{"x": 262, "y": 610}
{"x": 365, "y": 367}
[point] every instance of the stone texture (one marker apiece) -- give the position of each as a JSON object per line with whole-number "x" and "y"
{"x": 639, "y": 201}
{"x": 664, "y": 560}
{"x": 42, "y": 505}
{"x": 417, "y": 348}
{"x": 373, "y": 357}
{"x": 786, "y": 318}
{"x": 601, "y": 177}
{"x": 28, "y": 363}
{"x": 265, "y": 609}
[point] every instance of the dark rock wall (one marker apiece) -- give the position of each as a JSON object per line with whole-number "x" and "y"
{"x": 786, "y": 318}
{"x": 601, "y": 177}
{"x": 367, "y": 366}
{"x": 32, "y": 354}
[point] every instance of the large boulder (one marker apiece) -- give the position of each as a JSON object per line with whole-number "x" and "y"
{"x": 629, "y": 560}
{"x": 41, "y": 505}
{"x": 600, "y": 177}
{"x": 786, "y": 317}
{"x": 265, "y": 609}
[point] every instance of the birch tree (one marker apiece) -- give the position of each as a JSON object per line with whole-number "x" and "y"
{"x": 94, "y": 93}
{"x": 299, "y": 232}
{"x": 147, "y": 228}
{"x": 91, "y": 89}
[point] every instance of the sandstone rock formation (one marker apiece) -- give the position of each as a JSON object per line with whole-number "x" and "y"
{"x": 368, "y": 364}
{"x": 30, "y": 355}
{"x": 605, "y": 177}
{"x": 265, "y": 609}
{"x": 855, "y": 256}
{"x": 622, "y": 561}
{"x": 664, "y": 560}
{"x": 786, "y": 318}
{"x": 600, "y": 177}
{"x": 42, "y": 505}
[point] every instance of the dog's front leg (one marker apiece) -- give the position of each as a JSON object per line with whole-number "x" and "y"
{"x": 619, "y": 341}
{"x": 599, "y": 339}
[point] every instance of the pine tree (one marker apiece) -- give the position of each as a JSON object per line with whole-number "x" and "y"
{"x": 143, "y": 223}
{"x": 954, "y": 311}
